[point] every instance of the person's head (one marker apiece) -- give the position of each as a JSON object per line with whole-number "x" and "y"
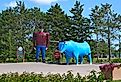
{"x": 41, "y": 27}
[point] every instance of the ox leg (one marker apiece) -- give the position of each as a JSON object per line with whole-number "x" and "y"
{"x": 67, "y": 58}
{"x": 81, "y": 59}
{"x": 76, "y": 57}
{"x": 90, "y": 58}
{"x": 77, "y": 60}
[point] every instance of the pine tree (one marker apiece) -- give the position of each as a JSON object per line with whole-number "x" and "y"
{"x": 80, "y": 25}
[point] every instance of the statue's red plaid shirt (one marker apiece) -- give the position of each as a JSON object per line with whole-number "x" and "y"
{"x": 41, "y": 38}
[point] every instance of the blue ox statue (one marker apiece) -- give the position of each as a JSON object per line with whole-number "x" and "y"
{"x": 76, "y": 50}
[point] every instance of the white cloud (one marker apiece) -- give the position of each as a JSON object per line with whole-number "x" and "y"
{"x": 11, "y": 4}
{"x": 44, "y": 1}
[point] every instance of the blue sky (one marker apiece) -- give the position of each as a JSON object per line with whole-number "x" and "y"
{"x": 66, "y": 5}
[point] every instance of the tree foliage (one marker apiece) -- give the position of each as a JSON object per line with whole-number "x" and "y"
{"x": 17, "y": 25}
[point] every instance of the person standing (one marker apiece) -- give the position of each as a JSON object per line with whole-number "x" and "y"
{"x": 41, "y": 42}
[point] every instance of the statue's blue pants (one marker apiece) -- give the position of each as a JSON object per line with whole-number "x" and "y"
{"x": 43, "y": 51}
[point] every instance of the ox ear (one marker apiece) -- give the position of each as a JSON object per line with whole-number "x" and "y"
{"x": 65, "y": 42}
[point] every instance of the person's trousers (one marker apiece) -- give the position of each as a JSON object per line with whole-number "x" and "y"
{"x": 43, "y": 51}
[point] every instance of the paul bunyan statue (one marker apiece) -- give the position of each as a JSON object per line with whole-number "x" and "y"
{"x": 76, "y": 50}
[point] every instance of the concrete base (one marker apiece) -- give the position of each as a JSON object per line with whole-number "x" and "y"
{"x": 116, "y": 74}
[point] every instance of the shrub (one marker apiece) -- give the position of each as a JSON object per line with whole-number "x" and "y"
{"x": 32, "y": 77}
{"x": 116, "y": 60}
{"x": 69, "y": 77}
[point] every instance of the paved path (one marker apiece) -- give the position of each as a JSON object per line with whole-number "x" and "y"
{"x": 83, "y": 69}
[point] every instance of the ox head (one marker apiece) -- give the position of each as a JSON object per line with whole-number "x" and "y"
{"x": 62, "y": 46}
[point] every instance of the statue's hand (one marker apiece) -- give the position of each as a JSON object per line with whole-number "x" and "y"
{"x": 46, "y": 48}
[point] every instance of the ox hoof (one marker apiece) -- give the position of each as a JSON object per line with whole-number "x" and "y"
{"x": 77, "y": 64}
{"x": 82, "y": 63}
{"x": 67, "y": 63}
{"x": 90, "y": 63}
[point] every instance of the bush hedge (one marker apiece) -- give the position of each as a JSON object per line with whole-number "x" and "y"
{"x": 66, "y": 77}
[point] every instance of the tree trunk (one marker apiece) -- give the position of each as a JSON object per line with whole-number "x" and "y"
{"x": 119, "y": 45}
{"x": 97, "y": 47}
{"x": 109, "y": 48}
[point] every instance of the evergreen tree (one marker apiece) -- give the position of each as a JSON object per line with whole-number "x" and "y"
{"x": 80, "y": 25}
{"x": 57, "y": 23}
{"x": 105, "y": 21}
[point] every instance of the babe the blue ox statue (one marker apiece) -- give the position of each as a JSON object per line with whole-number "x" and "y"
{"x": 76, "y": 50}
